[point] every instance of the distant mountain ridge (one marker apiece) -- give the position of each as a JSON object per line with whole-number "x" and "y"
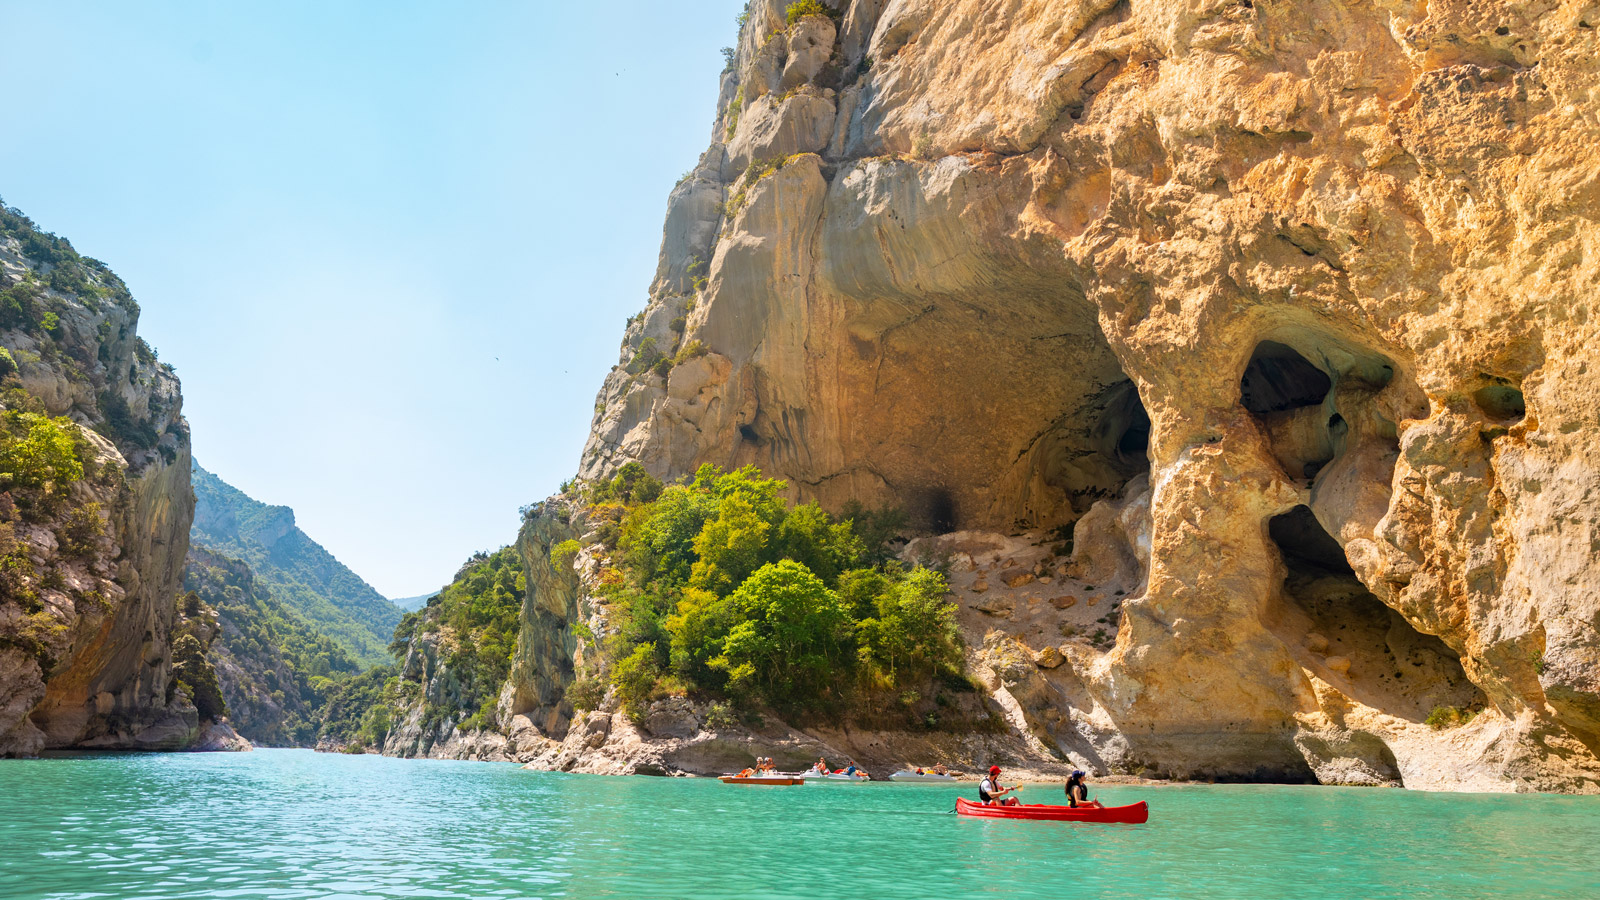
{"x": 412, "y": 604}
{"x": 296, "y": 569}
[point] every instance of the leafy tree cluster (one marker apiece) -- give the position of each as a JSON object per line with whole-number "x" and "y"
{"x": 40, "y": 459}
{"x": 37, "y": 451}
{"x": 725, "y": 589}
{"x": 192, "y": 672}
{"x": 362, "y": 709}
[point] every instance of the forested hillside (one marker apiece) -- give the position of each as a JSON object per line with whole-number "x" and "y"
{"x": 295, "y": 568}
{"x": 277, "y": 670}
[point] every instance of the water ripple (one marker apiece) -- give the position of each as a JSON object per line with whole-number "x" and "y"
{"x": 292, "y": 824}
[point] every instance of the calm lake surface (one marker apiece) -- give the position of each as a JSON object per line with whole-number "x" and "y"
{"x": 289, "y": 824}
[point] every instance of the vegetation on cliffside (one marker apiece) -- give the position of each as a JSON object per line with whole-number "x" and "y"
{"x": 452, "y": 657}
{"x": 721, "y": 588}
{"x": 277, "y": 671}
{"x": 41, "y": 459}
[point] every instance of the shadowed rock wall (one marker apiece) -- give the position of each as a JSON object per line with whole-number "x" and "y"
{"x": 86, "y": 622}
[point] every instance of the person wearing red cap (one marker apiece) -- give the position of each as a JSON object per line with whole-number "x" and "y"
{"x": 991, "y": 791}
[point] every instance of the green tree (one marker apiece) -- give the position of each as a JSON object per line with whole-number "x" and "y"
{"x": 191, "y": 670}
{"x": 809, "y": 535}
{"x": 732, "y": 545}
{"x": 696, "y": 632}
{"x": 791, "y": 637}
{"x": 914, "y": 632}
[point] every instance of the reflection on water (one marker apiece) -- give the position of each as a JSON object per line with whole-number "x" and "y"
{"x": 294, "y": 824}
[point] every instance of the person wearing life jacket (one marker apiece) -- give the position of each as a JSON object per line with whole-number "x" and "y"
{"x": 1078, "y": 790}
{"x": 992, "y": 792}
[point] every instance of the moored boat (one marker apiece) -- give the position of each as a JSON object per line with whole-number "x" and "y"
{"x": 1132, "y": 814}
{"x": 910, "y": 775}
{"x": 812, "y": 776}
{"x": 762, "y": 779}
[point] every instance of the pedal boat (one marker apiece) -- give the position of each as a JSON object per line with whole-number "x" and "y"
{"x": 762, "y": 779}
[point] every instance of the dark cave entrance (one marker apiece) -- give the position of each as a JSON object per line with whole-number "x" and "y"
{"x": 1279, "y": 379}
{"x": 1123, "y": 433}
{"x": 932, "y": 510}
{"x": 1348, "y": 637}
{"x": 1291, "y": 398}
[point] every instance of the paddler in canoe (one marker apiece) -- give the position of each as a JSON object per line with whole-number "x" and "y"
{"x": 993, "y": 793}
{"x": 1078, "y": 791}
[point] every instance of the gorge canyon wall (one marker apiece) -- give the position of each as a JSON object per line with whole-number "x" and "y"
{"x": 90, "y": 567}
{"x": 1258, "y": 330}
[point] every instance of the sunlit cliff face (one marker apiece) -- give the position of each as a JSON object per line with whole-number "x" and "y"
{"x": 1299, "y": 292}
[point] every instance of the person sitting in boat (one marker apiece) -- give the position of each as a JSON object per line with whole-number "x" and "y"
{"x": 940, "y": 770}
{"x": 1078, "y": 790}
{"x": 993, "y": 793}
{"x": 821, "y": 767}
{"x": 746, "y": 772}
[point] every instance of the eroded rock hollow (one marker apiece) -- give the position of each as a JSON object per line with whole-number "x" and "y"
{"x": 1281, "y": 309}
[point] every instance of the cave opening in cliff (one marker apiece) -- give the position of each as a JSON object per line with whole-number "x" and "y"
{"x": 1124, "y": 430}
{"x": 1288, "y": 396}
{"x": 1279, "y": 379}
{"x": 932, "y": 510}
{"x": 1341, "y": 632}
{"x": 1501, "y": 402}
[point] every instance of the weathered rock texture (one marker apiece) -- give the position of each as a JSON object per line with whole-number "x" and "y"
{"x": 1283, "y": 307}
{"x": 85, "y": 627}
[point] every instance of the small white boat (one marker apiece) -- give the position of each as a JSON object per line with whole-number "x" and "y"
{"x": 911, "y": 775}
{"x": 812, "y": 776}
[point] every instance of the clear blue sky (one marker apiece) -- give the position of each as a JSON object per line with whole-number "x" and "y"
{"x": 390, "y": 247}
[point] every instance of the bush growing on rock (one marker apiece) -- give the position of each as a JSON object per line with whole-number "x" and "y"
{"x": 586, "y": 694}
{"x": 802, "y": 8}
{"x": 562, "y": 554}
{"x": 635, "y": 677}
{"x": 36, "y": 450}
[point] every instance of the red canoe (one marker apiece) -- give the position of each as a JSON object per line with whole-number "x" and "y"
{"x": 1133, "y": 814}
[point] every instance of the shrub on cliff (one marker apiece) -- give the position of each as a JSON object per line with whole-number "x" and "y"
{"x": 193, "y": 673}
{"x": 36, "y": 450}
{"x": 802, "y": 8}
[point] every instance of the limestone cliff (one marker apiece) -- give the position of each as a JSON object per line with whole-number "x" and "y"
{"x": 94, "y": 510}
{"x": 1267, "y": 322}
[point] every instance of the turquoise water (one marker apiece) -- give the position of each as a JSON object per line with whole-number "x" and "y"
{"x": 291, "y": 824}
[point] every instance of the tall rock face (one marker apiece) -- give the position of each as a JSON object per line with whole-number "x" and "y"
{"x": 95, "y": 509}
{"x": 1279, "y": 311}
{"x": 299, "y": 571}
